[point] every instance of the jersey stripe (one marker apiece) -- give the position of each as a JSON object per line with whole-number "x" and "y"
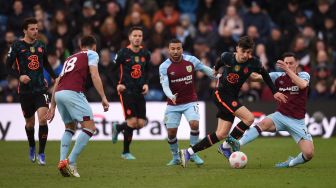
{"x": 223, "y": 103}
{"x": 121, "y": 73}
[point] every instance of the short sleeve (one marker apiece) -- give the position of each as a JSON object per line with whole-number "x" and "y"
{"x": 93, "y": 58}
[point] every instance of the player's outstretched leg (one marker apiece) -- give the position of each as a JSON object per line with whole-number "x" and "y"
{"x": 284, "y": 164}
{"x": 66, "y": 143}
{"x": 225, "y": 150}
{"x": 173, "y": 144}
{"x": 128, "y": 135}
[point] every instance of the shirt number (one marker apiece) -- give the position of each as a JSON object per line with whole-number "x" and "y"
{"x": 69, "y": 65}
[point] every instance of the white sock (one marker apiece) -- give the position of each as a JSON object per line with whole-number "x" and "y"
{"x": 190, "y": 151}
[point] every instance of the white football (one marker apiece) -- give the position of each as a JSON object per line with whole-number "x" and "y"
{"x": 238, "y": 159}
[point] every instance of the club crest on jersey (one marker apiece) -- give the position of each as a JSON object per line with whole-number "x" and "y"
{"x": 32, "y": 49}
{"x": 39, "y": 49}
{"x": 136, "y": 59}
{"x": 237, "y": 68}
{"x": 246, "y": 70}
{"x": 189, "y": 68}
{"x": 143, "y": 59}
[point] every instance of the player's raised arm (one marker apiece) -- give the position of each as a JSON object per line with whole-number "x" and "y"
{"x": 302, "y": 83}
{"x": 201, "y": 67}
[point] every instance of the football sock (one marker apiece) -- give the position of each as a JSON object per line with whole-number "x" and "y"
{"x": 299, "y": 159}
{"x": 250, "y": 135}
{"x": 194, "y": 135}
{"x": 239, "y": 130}
{"x": 121, "y": 127}
{"x": 208, "y": 141}
{"x": 43, "y": 136}
{"x": 30, "y": 136}
{"x": 174, "y": 147}
{"x": 128, "y": 134}
{"x": 65, "y": 143}
{"x": 82, "y": 140}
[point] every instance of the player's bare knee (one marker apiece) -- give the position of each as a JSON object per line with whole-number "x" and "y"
{"x": 194, "y": 125}
{"x": 309, "y": 154}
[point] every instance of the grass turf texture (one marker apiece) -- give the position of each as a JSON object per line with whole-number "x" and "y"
{"x": 100, "y": 165}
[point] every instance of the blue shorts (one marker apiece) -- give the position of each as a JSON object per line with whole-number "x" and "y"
{"x": 295, "y": 127}
{"x": 73, "y": 106}
{"x": 173, "y": 114}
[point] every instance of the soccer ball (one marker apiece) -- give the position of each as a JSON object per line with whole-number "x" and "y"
{"x": 238, "y": 159}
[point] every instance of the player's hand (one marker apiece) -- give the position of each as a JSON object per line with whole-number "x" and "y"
{"x": 24, "y": 79}
{"x": 282, "y": 65}
{"x": 50, "y": 114}
{"x": 105, "y": 104}
{"x": 173, "y": 99}
{"x": 121, "y": 88}
{"x": 144, "y": 89}
{"x": 280, "y": 97}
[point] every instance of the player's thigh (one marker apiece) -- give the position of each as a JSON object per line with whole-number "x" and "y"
{"x": 172, "y": 116}
{"x": 191, "y": 112}
{"x": 297, "y": 129}
{"x": 128, "y": 104}
{"x": 62, "y": 103}
{"x": 41, "y": 104}
{"x": 41, "y": 112}
{"x": 224, "y": 111}
{"x": 278, "y": 121}
{"x": 141, "y": 107}
{"x": 27, "y": 105}
{"x": 245, "y": 115}
{"x": 267, "y": 125}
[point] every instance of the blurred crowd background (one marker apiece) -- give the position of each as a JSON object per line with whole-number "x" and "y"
{"x": 206, "y": 27}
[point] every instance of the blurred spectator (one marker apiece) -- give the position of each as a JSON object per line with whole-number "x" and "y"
{"x": 111, "y": 36}
{"x": 187, "y": 25}
{"x": 232, "y": 21}
{"x": 114, "y": 10}
{"x": 205, "y": 34}
{"x": 16, "y": 17}
{"x": 144, "y": 17}
{"x": 319, "y": 16}
{"x": 56, "y": 65}
{"x": 148, "y": 6}
{"x": 225, "y": 42}
{"x": 159, "y": 36}
{"x": 259, "y": 19}
{"x": 209, "y": 10}
{"x": 286, "y": 18}
{"x": 135, "y": 20}
{"x": 189, "y": 7}
{"x": 320, "y": 91}
{"x": 333, "y": 90}
{"x": 246, "y": 94}
{"x": 275, "y": 46}
{"x": 300, "y": 48}
{"x": 168, "y": 15}
{"x": 89, "y": 15}
{"x": 61, "y": 51}
{"x": 293, "y": 30}
{"x": 9, "y": 92}
{"x": 155, "y": 92}
{"x": 184, "y": 36}
{"x": 329, "y": 32}
{"x": 203, "y": 82}
{"x": 85, "y": 31}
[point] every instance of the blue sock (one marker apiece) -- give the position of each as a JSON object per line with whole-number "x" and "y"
{"x": 174, "y": 147}
{"x": 65, "y": 143}
{"x": 82, "y": 139}
{"x": 299, "y": 159}
{"x": 250, "y": 135}
{"x": 194, "y": 136}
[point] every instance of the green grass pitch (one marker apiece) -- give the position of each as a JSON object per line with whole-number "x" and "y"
{"x": 100, "y": 165}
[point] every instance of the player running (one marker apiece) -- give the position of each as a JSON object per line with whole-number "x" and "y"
{"x": 72, "y": 104}
{"x": 177, "y": 80}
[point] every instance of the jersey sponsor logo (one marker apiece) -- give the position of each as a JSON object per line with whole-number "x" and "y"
{"x": 293, "y": 88}
{"x": 232, "y": 78}
{"x": 189, "y": 68}
{"x": 32, "y": 49}
{"x": 187, "y": 78}
{"x": 33, "y": 62}
{"x": 9, "y": 51}
{"x": 129, "y": 111}
{"x": 136, "y": 73}
{"x": 172, "y": 73}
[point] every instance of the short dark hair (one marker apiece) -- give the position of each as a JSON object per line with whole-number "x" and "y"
{"x": 28, "y": 21}
{"x": 246, "y": 42}
{"x": 88, "y": 41}
{"x": 133, "y": 29}
{"x": 289, "y": 54}
{"x": 174, "y": 40}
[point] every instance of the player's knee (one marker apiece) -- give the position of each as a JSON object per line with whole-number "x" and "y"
{"x": 249, "y": 120}
{"x": 309, "y": 154}
{"x": 194, "y": 125}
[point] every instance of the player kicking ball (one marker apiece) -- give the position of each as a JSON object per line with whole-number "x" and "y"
{"x": 290, "y": 116}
